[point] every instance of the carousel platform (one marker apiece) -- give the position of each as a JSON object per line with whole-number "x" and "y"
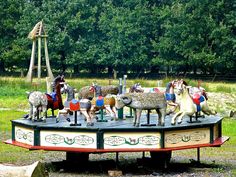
{"x": 116, "y": 136}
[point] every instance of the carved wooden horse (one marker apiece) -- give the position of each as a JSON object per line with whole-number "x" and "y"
{"x": 188, "y": 104}
{"x": 109, "y": 102}
{"x": 70, "y": 94}
{"x": 41, "y": 102}
{"x": 84, "y": 105}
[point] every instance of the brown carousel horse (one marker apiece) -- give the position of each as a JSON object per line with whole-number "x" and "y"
{"x": 41, "y": 102}
{"x": 108, "y": 102}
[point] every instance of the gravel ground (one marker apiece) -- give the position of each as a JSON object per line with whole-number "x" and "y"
{"x": 132, "y": 164}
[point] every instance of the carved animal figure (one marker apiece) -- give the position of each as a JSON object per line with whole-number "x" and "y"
{"x": 169, "y": 93}
{"x": 84, "y": 104}
{"x": 87, "y": 93}
{"x": 41, "y": 102}
{"x": 187, "y": 105}
{"x": 192, "y": 90}
{"x": 137, "y": 88}
{"x": 55, "y": 102}
{"x": 38, "y": 103}
{"x": 143, "y": 101}
{"x": 70, "y": 94}
{"x": 108, "y": 101}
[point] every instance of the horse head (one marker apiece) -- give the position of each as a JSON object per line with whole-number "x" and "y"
{"x": 70, "y": 91}
{"x": 136, "y": 88}
{"x": 96, "y": 89}
{"x": 181, "y": 87}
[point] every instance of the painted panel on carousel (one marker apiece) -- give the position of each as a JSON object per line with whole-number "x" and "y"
{"x": 24, "y": 135}
{"x": 68, "y": 139}
{"x": 187, "y": 137}
{"x": 132, "y": 140}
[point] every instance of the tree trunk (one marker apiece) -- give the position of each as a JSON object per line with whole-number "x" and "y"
{"x": 2, "y": 67}
{"x": 110, "y": 70}
{"x": 155, "y": 69}
{"x": 63, "y": 58}
{"x": 76, "y": 69}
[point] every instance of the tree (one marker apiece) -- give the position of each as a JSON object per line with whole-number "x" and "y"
{"x": 10, "y": 13}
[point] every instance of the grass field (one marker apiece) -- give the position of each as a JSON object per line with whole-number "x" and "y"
{"x": 13, "y": 104}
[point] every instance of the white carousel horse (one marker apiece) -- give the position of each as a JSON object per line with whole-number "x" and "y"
{"x": 188, "y": 104}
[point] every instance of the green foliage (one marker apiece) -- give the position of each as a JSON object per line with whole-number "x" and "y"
{"x": 126, "y": 35}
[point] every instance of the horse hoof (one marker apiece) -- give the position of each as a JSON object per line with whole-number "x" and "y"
{"x": 137, "y": 125}
{"x": 26, "y": 116}
{"x": 90, "y": 124}
{"x": 68, "y": 119}
{"x": 172, "y": 123}
{"x": 179, "y": 122}
{"x": 57, "y": 120}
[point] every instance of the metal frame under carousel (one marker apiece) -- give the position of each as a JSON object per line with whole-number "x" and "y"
{"x": 118, "y": 136}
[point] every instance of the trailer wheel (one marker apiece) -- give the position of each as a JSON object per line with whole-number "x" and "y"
{"x": 161, "y": 158}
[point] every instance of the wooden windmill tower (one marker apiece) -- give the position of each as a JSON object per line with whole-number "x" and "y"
{"x": 38, "y": 33}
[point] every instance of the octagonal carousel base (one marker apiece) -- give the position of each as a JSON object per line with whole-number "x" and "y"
{"x": 116, "y": 136}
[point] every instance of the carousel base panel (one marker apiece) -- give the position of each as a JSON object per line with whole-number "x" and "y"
{"x": 116, "y": 136}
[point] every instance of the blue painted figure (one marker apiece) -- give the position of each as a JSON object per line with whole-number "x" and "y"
{"x": 170, "y": 96}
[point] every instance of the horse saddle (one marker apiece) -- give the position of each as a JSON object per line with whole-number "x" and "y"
{"x": 197, "y": 99}
{"x": 99, "y": 101}
{"x": 53, "y": 95}
{"x": 170, "y": 97}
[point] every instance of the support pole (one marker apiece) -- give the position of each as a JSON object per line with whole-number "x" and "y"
{"x": 120, "y": 111}
{"x": 124, "y": 85}
{"x": 198, "y": 155}
{"x": 143, "y": 154}
{"x": 39, "y": 58}
{"x": 148, "y": 119}
{"x": 50, "y": 75}
{"x": 75, "y": 120}
{"x": 117, "y": 157}
{"x": 29, "y": 74}
{"x": 102, "y": 116}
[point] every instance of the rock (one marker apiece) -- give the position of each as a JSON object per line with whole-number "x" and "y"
{"x": 35, "y": 170}
{"x": 115, "y": 173}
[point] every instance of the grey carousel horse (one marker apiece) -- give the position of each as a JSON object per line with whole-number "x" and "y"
{"x": 70, "y": 95}
{"x": 85, "y": 105}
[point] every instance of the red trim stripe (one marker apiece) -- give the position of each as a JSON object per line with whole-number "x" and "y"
{"x": 218, "y": 142}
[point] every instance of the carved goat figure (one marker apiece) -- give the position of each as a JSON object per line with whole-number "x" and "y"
{"x": 143, "y": 101}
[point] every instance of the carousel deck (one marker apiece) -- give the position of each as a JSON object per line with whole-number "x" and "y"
{"x": 116, "y": 136}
